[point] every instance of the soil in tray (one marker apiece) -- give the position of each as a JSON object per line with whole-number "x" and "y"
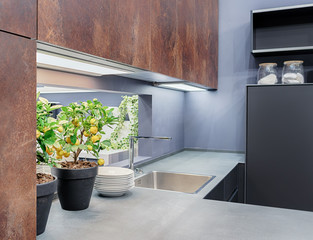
{"x": 44, "y": 178}
{"x": 78, "y": 165}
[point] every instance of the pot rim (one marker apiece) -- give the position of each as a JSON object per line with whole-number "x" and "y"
{"x": 42, "y": 184}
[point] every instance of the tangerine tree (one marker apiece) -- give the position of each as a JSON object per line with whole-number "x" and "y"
{"x": 82, "y": 128}
{"x": 46, "y": 132}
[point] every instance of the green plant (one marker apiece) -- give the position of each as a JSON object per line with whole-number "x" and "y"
{"x": 83, "y": 128}
{"x": 129, "y": 105}
{"x": 46, "y": 131}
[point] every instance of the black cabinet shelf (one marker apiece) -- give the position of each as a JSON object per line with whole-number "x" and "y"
{"x": 281, "y": 31}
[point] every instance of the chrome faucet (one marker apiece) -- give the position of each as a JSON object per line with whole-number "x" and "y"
{"x": 131, "y": 147}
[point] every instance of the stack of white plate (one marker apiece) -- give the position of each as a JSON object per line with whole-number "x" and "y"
{"x": 114, "y": 181}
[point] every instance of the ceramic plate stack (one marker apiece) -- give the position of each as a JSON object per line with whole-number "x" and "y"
{"x": 114, "y": 181}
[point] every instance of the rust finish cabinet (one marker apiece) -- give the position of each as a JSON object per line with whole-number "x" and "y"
{"x": 19, "y": 17}
{"x": 113, "y": 29}
{"x": 130, "y": 32}
{"x": 178, "y": 38}
{"x": 184, "y": 40}
{"x": 76, "y": 24}
{"x": 17, "y": 137}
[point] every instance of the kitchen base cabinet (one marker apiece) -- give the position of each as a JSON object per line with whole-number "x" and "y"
{"x": 279, "y": 155}
{"x": 231, "y": 187}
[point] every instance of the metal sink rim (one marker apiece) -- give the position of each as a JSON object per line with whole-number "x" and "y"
{"x": 179, "y": 173}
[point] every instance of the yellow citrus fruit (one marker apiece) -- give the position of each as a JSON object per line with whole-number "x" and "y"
{"x": 67, "y": 154}
{"x": 100, "y": 162}
{"x": 49, "y": 150}
{"x": 58, "y": 157}
{"x": 37, "y": 133}
{"x": 93, "y": 130}
{"x": 99, "y": 136}
{"x": 59, "y": 148}
{"x": 68, "y": 140}
{"x": 92, "y": 121}
{"x": 94, "y": 139}
{"x": 45, "y": 129}
{"x": 60, "y": 129}
{"x": 77, "y": 142}
{"x": 75, "y": 122}
{"x": 86, "y": 134}
{"x": 60, "y": 153}
{"x": 89, "y": 147}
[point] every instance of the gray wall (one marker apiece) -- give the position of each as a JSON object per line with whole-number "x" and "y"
{"x": 216, "y": 120}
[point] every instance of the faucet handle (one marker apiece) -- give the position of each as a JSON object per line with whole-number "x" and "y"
{"x": 138, "y": 171}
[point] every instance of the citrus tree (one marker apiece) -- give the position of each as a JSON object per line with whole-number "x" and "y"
{"x": 83, "y": 128}
{"x": 46, "y": 132}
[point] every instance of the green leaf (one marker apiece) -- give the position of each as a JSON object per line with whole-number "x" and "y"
{"x": 74, "y": 148}
{"x": 43, "y": 100}
{"x": 49, "y": 134}
{"x": 50, "y": 141}
{"x": 83, "y": 147}
{"x": 73, "y": 139}
{"x": 75, "y": 133}
{"x": 63, "y": 122}
{"x": 55, "y": 107}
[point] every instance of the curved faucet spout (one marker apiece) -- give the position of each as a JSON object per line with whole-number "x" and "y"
{"x": 132, "y": 143}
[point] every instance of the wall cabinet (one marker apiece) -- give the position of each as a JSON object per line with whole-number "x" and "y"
{"x": 19, "y": 17}
{"x": 178, "y": 38}
{"x": 17, "y": 137}
{"x": 284, "y": 30}
{"x": 279, "y": 149}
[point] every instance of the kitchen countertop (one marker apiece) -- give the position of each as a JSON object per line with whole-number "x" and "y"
{"x": 155, "y": 214}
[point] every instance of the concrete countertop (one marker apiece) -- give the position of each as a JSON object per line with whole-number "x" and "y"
{"x": 152, "y": 214}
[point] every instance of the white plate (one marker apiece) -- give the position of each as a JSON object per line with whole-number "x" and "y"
{"x": 112, "y": 187}
{"x": 114, "y": 171}
{"x": 108, "y": 194}
{"x": 112, "y": 191}
{"x": 115, "y": 177}
{"x": 114, "y": 180}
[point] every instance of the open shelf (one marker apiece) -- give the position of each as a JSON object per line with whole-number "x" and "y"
{"x": 285, "y": 30}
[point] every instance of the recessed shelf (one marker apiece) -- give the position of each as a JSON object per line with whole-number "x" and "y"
{"x": 279, "y": 31}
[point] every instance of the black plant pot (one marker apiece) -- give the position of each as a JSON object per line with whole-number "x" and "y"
{"x": 45, "y": 193}
{"x": 75, "y": 187}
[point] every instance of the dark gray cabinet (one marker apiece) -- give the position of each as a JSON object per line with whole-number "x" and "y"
{"x": 231, "y": 187}
{"x": 279, "y": 153}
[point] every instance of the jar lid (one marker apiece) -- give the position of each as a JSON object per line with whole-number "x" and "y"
{"x": 293, "y": 62}
{"x": 268, "y": 64}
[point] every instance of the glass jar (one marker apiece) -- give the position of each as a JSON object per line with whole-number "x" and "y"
{"x": 293, "y": 72}
{"x": 267, "y": 73}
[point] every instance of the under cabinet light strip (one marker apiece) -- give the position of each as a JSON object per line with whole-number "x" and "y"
{"x": 72, "y": 65}
{"x": 181, "y": 87}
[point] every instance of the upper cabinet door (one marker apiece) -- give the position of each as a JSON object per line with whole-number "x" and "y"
{"x": 113, "y": 29}
{"x": 178, "y": 38}
{"x": 164, "y": 44}
{"x": 76, "y": 24}
{"x": 184, "y": 40}
{"x": 19, "y": 17}
{"x": 130, "y": 32}
{"x": 206, "y": 42}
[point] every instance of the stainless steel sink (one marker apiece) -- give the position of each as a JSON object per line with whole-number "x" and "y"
{"x": 179, "y": 182}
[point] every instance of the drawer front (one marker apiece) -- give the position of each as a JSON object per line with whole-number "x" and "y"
{"x": 230, "y": 183}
